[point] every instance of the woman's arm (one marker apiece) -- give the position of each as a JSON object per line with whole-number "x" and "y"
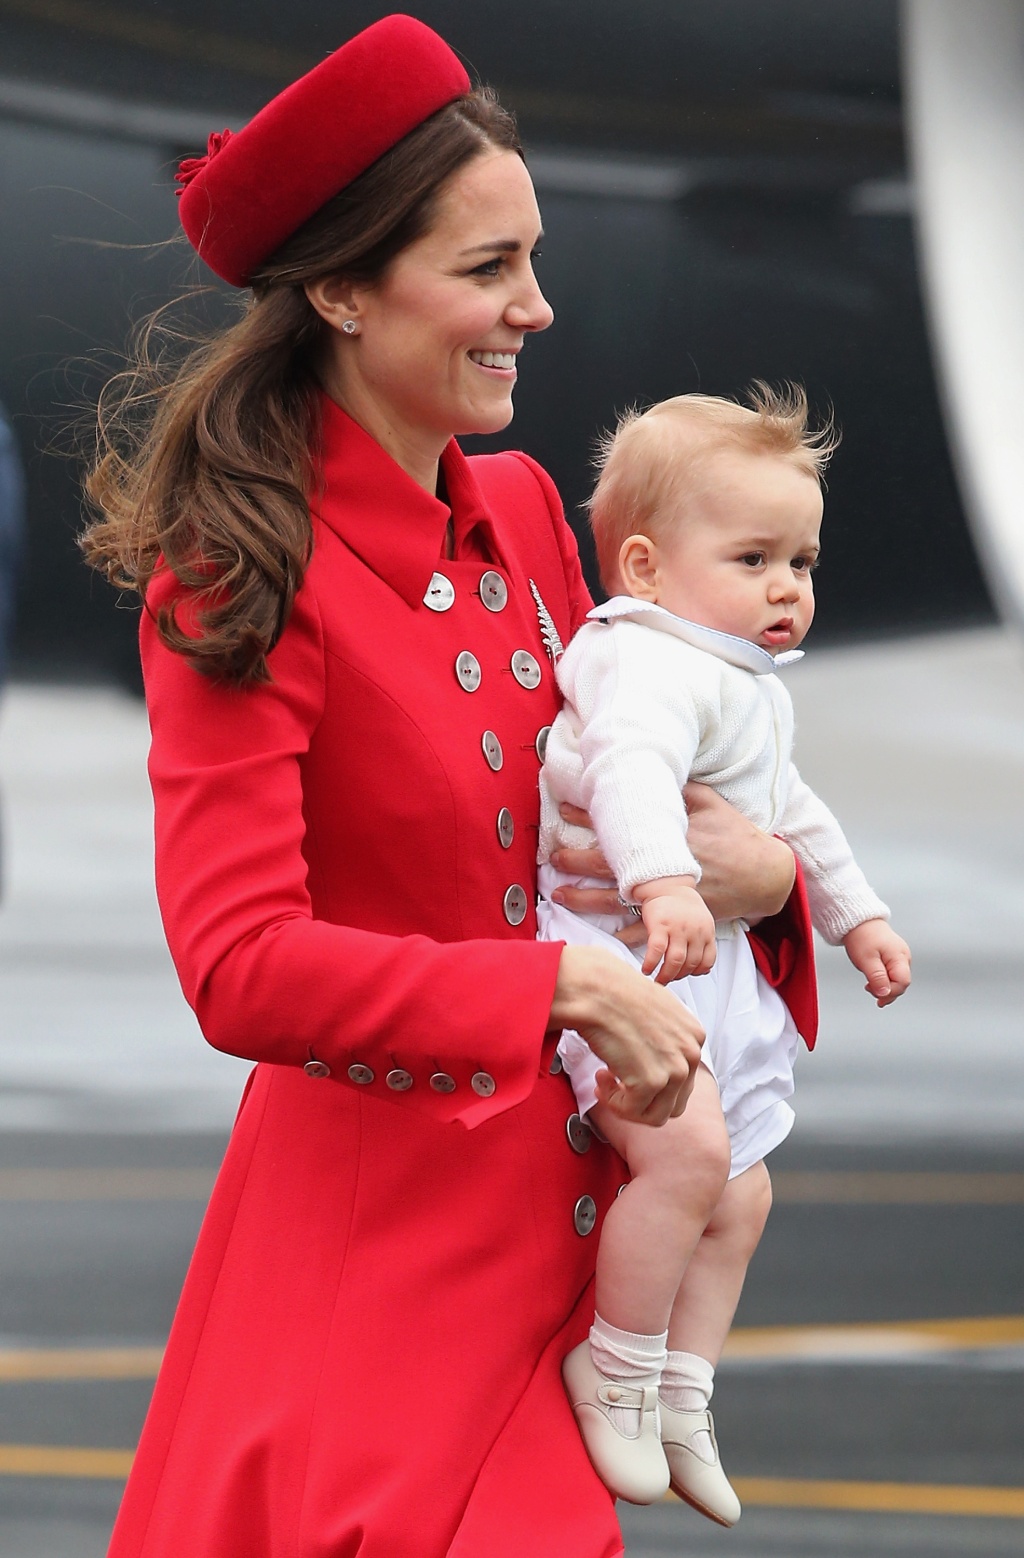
{"x": 746, "y": 874}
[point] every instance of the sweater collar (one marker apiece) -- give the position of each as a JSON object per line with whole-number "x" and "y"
{"x": 389, "y": 521}
{"x": 735, "y": 651}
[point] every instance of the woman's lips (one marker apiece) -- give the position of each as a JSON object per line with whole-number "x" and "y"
{"x": 495, "y": 362}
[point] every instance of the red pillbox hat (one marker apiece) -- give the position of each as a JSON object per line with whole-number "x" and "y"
{"x": 255, "y": 188}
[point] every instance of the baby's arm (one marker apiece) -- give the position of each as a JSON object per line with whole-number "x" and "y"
{"x": 882, "y": 957}
{"x": 843, "y": 906}
{"x": 680, "y": 929}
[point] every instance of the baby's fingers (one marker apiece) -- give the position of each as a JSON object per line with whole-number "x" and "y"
{"x": 897, "y": 966}
{"x": 877, "y": 975}
{"x": 657, "y": 947}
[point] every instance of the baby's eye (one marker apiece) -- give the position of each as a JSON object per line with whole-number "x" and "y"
{"x": 752, "y": 559}
{"x": 803, "y": 564}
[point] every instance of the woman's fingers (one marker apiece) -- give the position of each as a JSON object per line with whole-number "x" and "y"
{"x": 589, "y": 900}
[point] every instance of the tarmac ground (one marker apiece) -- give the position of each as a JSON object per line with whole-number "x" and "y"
{"x": 871, "y": 1402}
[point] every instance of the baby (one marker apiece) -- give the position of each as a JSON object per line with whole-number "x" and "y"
{"x": 706, "y": 518}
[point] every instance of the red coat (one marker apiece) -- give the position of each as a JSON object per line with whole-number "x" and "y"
{"x": 365, "y": 1358}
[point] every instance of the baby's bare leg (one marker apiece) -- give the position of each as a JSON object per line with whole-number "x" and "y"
{"x": 651, "y": 1231}
{"x": 710, "y": 1289}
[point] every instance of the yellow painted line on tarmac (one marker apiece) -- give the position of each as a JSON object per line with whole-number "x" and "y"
{"x": 888, "y": 1339}
{"x": 106, "y": 1184}
{"x": 910, "y": 1498}
{"x": 899, "y": 1338}
{"x": 70, "y": 1363}
{"x": 55, "y": 1460}
{"x": 898, "y": 1187}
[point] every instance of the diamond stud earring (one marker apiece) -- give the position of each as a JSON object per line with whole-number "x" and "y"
{"x": 350, "y": 327}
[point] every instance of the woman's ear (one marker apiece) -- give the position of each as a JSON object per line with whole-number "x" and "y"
{"x": 638, "y": 567}
{"x": 336, "y": 300}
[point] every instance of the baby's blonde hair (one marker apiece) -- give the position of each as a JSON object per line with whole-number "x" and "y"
{"x": 650, "y": 466}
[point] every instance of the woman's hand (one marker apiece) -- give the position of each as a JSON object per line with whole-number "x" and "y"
{"x": 649, "y": 1041}
{"x": 745, "y": 873}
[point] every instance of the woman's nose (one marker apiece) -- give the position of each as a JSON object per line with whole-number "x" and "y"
{"x": 531, "y": 310}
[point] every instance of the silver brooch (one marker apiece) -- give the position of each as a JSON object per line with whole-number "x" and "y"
{"x": 548, "y": 632}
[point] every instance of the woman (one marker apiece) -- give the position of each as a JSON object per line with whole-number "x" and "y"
{"x": 396, "y": 1256}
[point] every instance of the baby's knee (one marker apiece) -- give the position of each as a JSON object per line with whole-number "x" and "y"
{"x": 703, "y": 1173}
{"x": 747, "y": 1204}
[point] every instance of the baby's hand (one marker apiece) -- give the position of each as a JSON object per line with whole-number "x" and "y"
{"x": 882, "y": 956}
{"x": 680, "y": 928}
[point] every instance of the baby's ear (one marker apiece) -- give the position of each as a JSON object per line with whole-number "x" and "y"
{"x": 638, "y": 567}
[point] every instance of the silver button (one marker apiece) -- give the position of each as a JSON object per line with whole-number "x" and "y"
{"x": 492, "y": 750}
{"x": 317, "y": 1068}
{"x": 360, "y": 1074}
{"x": 440, "y": 594}
{"x": 483, "y": 1084}
{"x": 578, "y": 1132}
{"x": 398, "y": 1080}
{"x": 467, "y": 669}
{"x": 493, "y": 591}
{"x": 556, "y": 1064}
{"x": 540, "y": 746}
{"x": 441, "y": 1082}
{"x": 584, "y": 1215}
{"x": 526, "y": 669}
{"x": 514, "y": 905}
{"x": 506, "y": 827}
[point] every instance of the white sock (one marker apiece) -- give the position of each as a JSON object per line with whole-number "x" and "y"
{"x": 630, "y": 1358}
{"x": 687, "y": 1385}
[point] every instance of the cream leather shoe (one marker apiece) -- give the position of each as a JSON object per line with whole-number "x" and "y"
{"x": 701, "y": 1483}
{"x": 631, "y": 1465}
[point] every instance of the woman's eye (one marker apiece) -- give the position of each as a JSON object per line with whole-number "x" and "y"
{"x": 536, "y": 254}
{"x": 488, "y": 268}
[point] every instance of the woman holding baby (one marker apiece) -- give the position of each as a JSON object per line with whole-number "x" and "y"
{"x": 347, "y": 643}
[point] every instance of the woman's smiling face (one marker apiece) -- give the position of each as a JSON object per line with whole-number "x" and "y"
{"x": 438, "y": 337}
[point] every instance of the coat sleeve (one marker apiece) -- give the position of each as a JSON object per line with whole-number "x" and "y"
{"x": 266, "y": 980}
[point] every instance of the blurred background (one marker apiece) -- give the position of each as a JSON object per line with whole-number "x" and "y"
{"x": 730, "y": 189}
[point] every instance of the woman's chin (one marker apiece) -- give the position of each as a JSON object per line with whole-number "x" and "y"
{"x": 491, "y": 421}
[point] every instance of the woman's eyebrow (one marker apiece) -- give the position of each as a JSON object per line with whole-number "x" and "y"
{"x": 501, "y": 245}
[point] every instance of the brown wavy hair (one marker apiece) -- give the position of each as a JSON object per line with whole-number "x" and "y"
{"x": 203, "y": 461}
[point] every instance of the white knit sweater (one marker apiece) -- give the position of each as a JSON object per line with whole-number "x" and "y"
{"x": 652, "y": 701}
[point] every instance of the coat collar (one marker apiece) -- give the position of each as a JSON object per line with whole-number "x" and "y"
{"x": 389, "y": 522}
{"x": 736, "y": 651}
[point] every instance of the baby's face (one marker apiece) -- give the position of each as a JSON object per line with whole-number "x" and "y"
{"x": 740, "y": 560}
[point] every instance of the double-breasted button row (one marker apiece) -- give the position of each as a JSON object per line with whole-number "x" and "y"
{"x": 492, "y": 590}
{"x": 524, "y": 667}
{"x": 400, "y": 1081}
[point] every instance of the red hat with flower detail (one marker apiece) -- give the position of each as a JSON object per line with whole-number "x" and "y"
{"x": 253, "y": 189}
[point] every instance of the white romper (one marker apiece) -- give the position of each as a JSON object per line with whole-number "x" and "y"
{"x": 651, "y": 701}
